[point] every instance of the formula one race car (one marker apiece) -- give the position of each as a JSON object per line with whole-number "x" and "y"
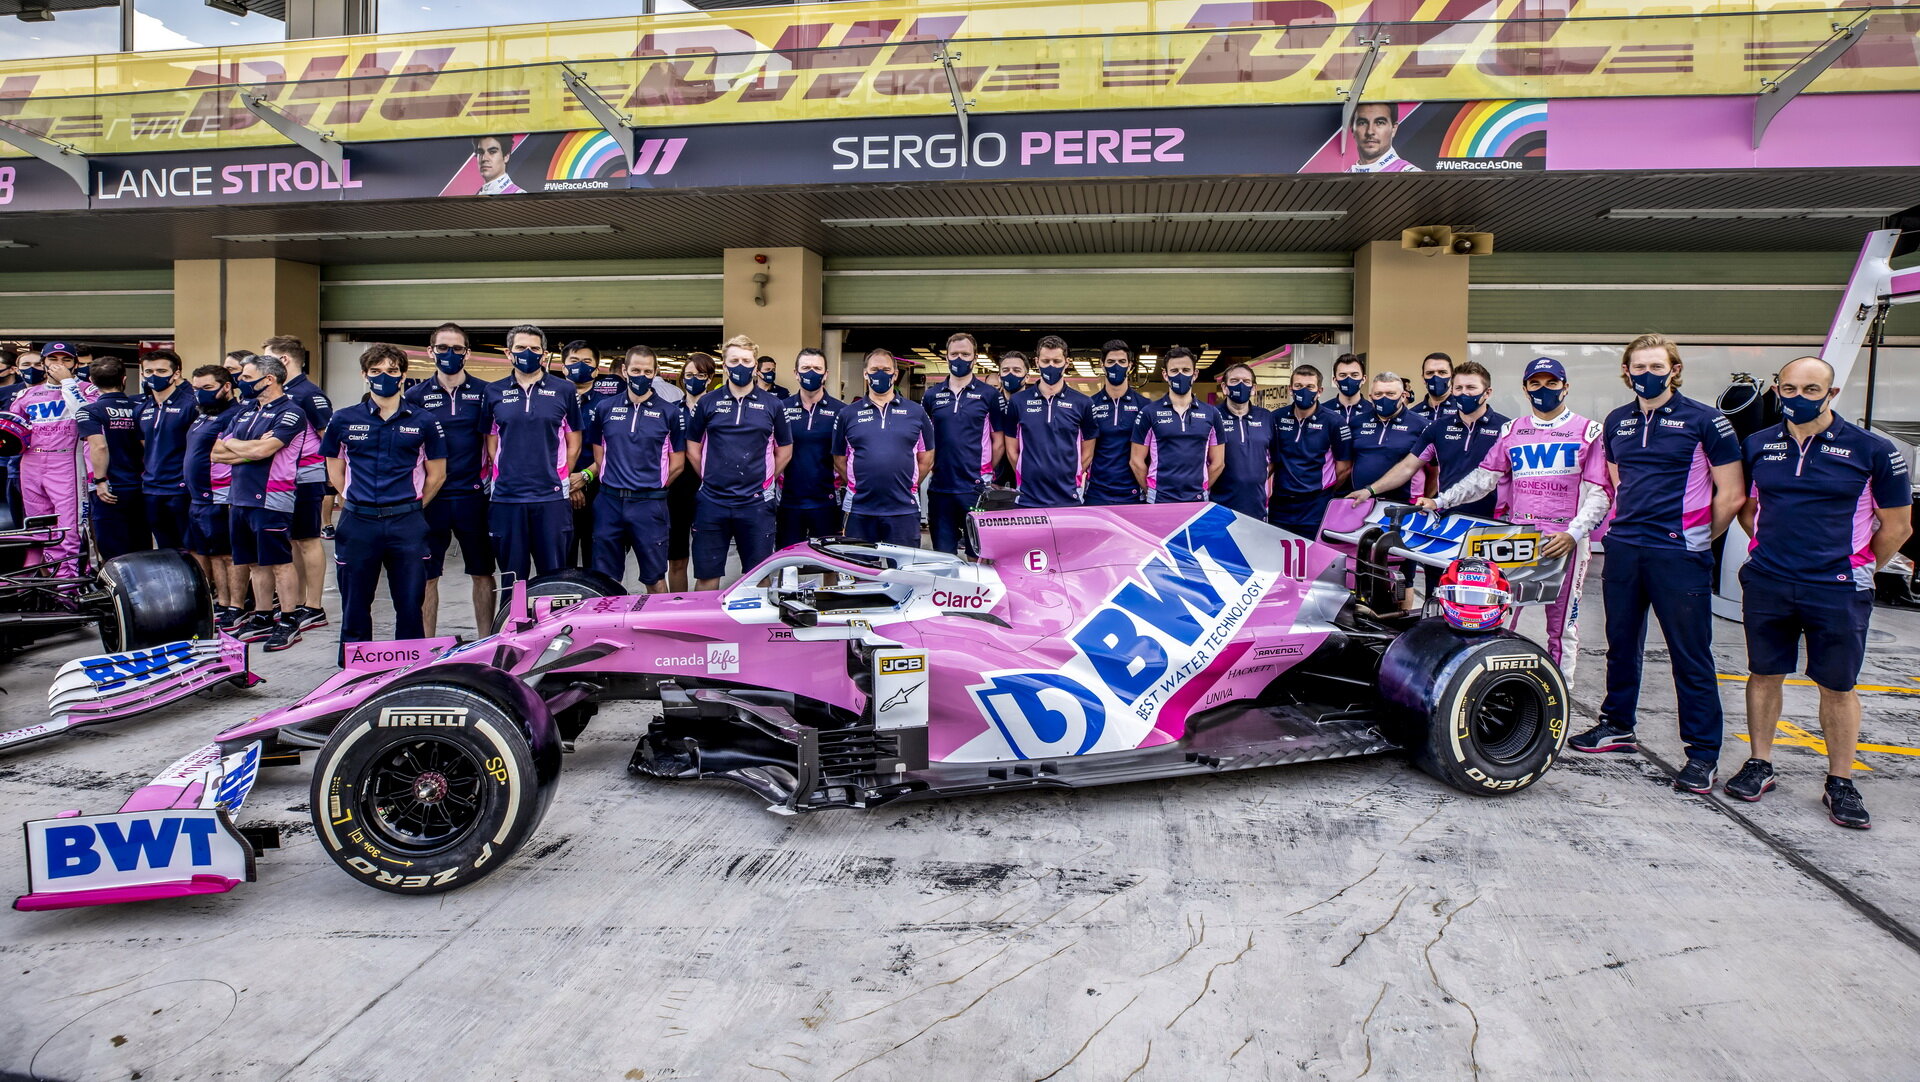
{"x": 1088, "y": 646}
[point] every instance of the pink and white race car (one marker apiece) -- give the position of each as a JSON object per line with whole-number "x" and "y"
{"x": 1087, "y": 646}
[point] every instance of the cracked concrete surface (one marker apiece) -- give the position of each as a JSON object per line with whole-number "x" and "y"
{"x": 1331, "y": 921}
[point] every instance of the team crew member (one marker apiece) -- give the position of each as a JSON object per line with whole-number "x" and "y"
{"x": 50, "y": 469}
{"x": 533, "y": 441}
{"x": 1246, "y": 432}
{"x": 310, "y": 557}
{"x": 766, "y": 371}
{"x": 387, "y": 458}
{"x": 809, "y": 489}
{"x": 696, "y": 377}
{"x": 1117, "y": 409}
{"x": 10, "y": 386}
{"x": 1555, "y": 469}
{"x": 1349, "y": 380}
{"x": 1436, "y": 374}
{"x": 110, "y": 425}
{"x": 166, "y": 412}
{"x": 1176, "y": 444}
{"x": 461, "y": 510}
{"x": 968, "y": 418}
{"x": 1050, "y": 433}
{"x": 209, "y": 538}
{"x": 1677, "y": 481}
{"x": 582, "y": 367}
{"x": 739, "y": 442}
{"x": 264, "y": 443}
{"x": 1830, "y": 504}
{"x": 1014, "y": 375}
{"x": 881, "y": 449}
{"x": 1384, "y": 440}
{"x": 1312, "y": 457}
{"x": 639, "y": 446}
{"x": 1455, "y": 444}
{"x": 233, "y": 360}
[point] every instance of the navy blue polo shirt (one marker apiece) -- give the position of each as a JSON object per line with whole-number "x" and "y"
{"x": 1050, "y": 429}
{"x": 640, "y": 440}
{"x": 385, "y": 457}
{"x": 8, "y": 392}
{"x": 462, "y": 413}
{"x": 312, "y": 402}
{"x": 116, "y": 418}
{"x": 606, "y": 384}
{"x": 1249, "y": 442}
{"x": 881, "y": 445}
{"x": 1665, "y": 459}
{"x": 1815, "y": 522}
{"x": 531, "y": 464}
{"x": 809, "y": 481}
{"x": 964, "y": 424}
{"x": 197, "y": 460}
{"x": 1459, "y": 448}
{"x": 1177, "y": 443}
{"x": 269, "y": 482}
{"x": 1110, "y": 477}
{"x": 738, "y": 436}
{"x": 1349, "y": 415}
{"x": 773, "y": 389}
{"x": 1306, "y": 453}
{"x": 1380, "y": 444}
{"x": 163, "y": 427}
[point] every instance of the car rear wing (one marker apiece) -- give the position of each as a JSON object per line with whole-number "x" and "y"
{"x": 1379, "y": 532}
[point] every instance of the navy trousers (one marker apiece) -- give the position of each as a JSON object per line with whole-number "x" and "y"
{"x": 363, "y": 547}
{"x": 1678, "y": 586}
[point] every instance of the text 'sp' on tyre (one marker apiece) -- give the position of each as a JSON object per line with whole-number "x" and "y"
{"x": 1485, "y": 712}
{"x": 156, "y": 597}
{"x": 425, "y": 788}
{"x": 578, "y": 583}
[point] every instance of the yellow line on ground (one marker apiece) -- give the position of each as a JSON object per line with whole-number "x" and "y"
{"x": 1856, "y": 687}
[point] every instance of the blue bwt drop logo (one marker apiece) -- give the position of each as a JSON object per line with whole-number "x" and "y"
{"x": 1043, "y": 714}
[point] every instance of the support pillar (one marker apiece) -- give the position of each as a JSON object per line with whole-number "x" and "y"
{"x": 1407, "y": 305}
{"x": 227, "y": 304}
{"x": 789, "y": 321}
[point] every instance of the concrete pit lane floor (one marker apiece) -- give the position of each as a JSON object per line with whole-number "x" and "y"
{"x": 1333, "y": 921}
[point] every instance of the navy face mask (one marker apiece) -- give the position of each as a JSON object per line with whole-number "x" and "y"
{"x": 1802, "y": 410}
{"x": 1051, "y": 374}
{"x": 1305, "y": 397}
{"x": 1348, "y": 386}
{"x": 33, "y": 377}
{"x": 156, "y": 384}
{"x": 1117, "y": 373}
{"x": 640, "y": 385}
{"x": 1437, "y": 386}
{"x": 740, "y": 374}
{"x": 528, "y": 361}
{"x": 580, "y": 371}
{"x": 1240, "y": 392}
{"x": 696, "y": 384}
{"x": 448, "y": 361}
{"x": 383, "y": 384}
{"x": 881, "y": 382}
{"x": 1467, "y": 403}
{"x": 1180, "y": 382}
{"x": 960, "y": 366}
{"x": 249, "y": 388}
{"x": 209, "y": 401}
{"x": 1547, "y": 399}
{"x": 1386, "y": 407}
{"x": 1649, "y": 384}
{"x": 812, "y": 381}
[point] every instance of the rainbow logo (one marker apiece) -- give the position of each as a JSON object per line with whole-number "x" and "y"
{"x": 587, "y": 155}
{"x": 1497, "y": 129}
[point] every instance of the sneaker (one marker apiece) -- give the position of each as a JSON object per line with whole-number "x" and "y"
{"x": 286, "y": 632}
{"x": 1605, "y": 736}
{"x": 1753, "y": 781}
{"x": 1844, "y": 805}
{"x": 1696, "y": 777}
{"x": 310, "y": 617}
{"x": 326, "y": 533}
{"x": 253, "y": 627}
{"x": 227, "y": 617}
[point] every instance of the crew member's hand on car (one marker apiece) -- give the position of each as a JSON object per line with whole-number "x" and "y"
{"x": 1556, "y": 545}
{"x": 1425, "y": 503}
{"x": 1360, "y": 495}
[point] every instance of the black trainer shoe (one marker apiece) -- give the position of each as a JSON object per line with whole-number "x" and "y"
{"x": 253, "y": 627}
{"x": 1695, "y": 777}
{"x": 1754, "y": 781}
{"x": 326, "y": 533}
{"x": 310, "y": 617}
{"x": 286, "y": 632}
{"x": 1605, "y": 736}
{"x": 1844, "y": 805}
{"x": 227, "y": 617}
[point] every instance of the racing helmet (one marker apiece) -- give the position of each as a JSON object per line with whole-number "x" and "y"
{"x": 1474, "y": 595}
{"x": 14, "y": 431}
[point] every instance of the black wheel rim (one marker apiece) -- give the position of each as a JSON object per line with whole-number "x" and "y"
{"x": 422, "y": 794}
{"x": 1509, "y": 719}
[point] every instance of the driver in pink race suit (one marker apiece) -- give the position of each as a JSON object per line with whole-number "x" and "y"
{"x": 1555, "y": 469}
{"x": 50, "y": 468}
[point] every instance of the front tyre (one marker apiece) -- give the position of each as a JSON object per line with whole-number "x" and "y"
{"x": 1483, "y": 712}
{"x": 156, "y": 597}
{"x": 425, "y": 788}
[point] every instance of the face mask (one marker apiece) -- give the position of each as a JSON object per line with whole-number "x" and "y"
{"x": 740, "y": 374}
{"x": 1010, "y": 382}
{"x": 1649, "y": 384}
{"x": 1802, "y": 410}
{"x": 383, "y": 385}
{"x": 640, "y": 385}
{"x": 959, "y": 366}
{"x": 767, "y": 378}
{"x": 448, "y": 361}
{"x": 1305, "y": 397}
{"x": 1467, "y": 403}
{"x": 249, "y": 388}
{"x": 1386, "y": 407}
{"x": 696, "y": 384}
{"x": 1437, "y": 386}
{"x": 1052, "y": 373}
{"x": 1348, "y": 387}
{"x": 528, "y": 361}
{"x": 1240, "y": 392}
{"x": 33, "y": 377}
{"x": 1547, "y": 399}
{"x": 1180, "y": 382}
{"x": 812, "y": 381}
{"x": 580, "y": 371}
{"x": 157, "y": 383}
{"x": 1117, "y": 373}
{"x": 881, "y": 382}
{"x": 84, "y": 372}
{"x": 210, "y": 401}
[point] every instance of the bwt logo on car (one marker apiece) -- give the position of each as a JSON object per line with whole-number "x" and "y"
{"x": 79, "y": 848}
{"x": 112, "y": 671}
{"x": 1163, "y": 625}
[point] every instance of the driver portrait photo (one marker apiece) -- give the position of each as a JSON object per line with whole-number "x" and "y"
{"x": 1374, "y": 125}
{"x": 492, "y": 153}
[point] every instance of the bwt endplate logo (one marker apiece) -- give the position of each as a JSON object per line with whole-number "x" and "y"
{"x": 1164, "y": 624}
{"x": 723, "y": 657}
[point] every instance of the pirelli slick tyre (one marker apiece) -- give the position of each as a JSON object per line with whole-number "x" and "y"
{"x": 155, "y": 597}
{"x": 426, "y": 788}
{"x": 578, "y": 583}
{"x": 1484, "y": 712}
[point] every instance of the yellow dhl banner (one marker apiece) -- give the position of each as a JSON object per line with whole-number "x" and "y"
{"x": 892, "y": 58}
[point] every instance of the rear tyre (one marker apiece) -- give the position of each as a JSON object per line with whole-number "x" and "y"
{"x": 425, "y": 788}
{"x": 154, "y": 598}
{"x": 578, "y": 583}
{"x": 1483, "y": 712}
